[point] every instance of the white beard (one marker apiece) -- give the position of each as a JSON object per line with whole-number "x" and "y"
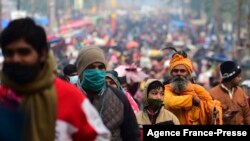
{"x": 179, "y": 84}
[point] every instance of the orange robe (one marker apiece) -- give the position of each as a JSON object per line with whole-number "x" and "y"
{"x": 188, "y": 114}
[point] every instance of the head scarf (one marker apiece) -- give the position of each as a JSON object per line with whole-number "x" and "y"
{"x": 180, "y": 60}
{"x": 114, "y": 76}
{"x": 88, "y": 56}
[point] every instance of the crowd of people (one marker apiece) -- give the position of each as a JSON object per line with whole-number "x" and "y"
{"x": 90, "y": 100}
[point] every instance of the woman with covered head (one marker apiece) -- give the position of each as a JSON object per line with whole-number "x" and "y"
{"x": 112, "y": 80}
{"x": 190, "y": 102}
{"x": 154, "y": 112}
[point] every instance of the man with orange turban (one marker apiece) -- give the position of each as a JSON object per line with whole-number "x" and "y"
{"x": 190, "y": 102}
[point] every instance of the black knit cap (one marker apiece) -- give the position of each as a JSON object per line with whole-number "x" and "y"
{"x": 229, "y": 70}
{"x": 69, "y": 69}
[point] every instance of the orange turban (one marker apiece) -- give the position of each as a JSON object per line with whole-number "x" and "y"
{"x": 180, "y": 60}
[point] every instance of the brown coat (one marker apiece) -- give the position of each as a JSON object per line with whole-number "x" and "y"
{"x": 238, "y": 102}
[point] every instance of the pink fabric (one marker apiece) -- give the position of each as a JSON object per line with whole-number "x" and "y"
{"x": 8, "y": 98}
{"x": 141, "y": 134}
{"x": 132, "y": 103}
{"x": 132, "y": 76}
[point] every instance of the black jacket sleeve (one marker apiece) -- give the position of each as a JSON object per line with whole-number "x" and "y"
{"x": 129, "y": 128}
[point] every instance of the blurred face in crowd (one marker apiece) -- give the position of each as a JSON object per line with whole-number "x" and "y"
{"x": 22, "y": 53}
{"x": 110, "y": 82}
{"x": 157, "y": 93}
{"x": 97, "y": 65}
{"x": 236, "y": 81}
{"x": 180, "y": 78}
{"x": 22, "y": 63}
{"x": 93, "y": 79}
{"x": 72, "y": 78}
{"x": 72, "y": 74}
{"x": 125, "y": 86}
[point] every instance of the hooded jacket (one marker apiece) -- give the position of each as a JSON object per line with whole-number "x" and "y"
{"x": 164, "y": 116}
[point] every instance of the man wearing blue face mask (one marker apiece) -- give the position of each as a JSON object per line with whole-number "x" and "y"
{"x": 70, "y": 73}
{"x": 111, "y": 104}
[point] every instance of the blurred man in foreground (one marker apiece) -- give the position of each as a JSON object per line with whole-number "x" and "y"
{"x": 30, "y": 87}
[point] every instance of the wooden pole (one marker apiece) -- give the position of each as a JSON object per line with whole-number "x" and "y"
{"x": 239, "y": 21}
{"x": 1, "y": 15}
{"x": 18, "y": 5}
{"x": 217, "y": 20}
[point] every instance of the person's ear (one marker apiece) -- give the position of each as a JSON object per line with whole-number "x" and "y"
{"x": 43, "y": 55}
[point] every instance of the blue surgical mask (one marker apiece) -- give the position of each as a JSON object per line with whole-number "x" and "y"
{"x": 93, "y": 79}
{"x": 73, "y": 79}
